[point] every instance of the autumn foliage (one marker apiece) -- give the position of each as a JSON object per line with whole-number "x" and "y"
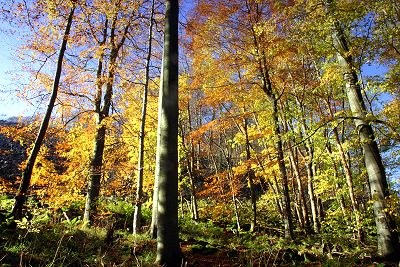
{"x": 266, "y": 129}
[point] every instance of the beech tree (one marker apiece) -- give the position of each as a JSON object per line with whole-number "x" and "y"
{"x": 388, "y": 246}
{"x": 168, "y": 251}
{"x": 139, "y": 190}
{"x": 102, "y": 107}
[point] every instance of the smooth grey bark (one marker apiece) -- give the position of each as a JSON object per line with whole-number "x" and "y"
{"x": 139, "y": 186}
{"x": 311, "y": 195}
{"x": 388, "y": 245}
{"x": 27, "y": 172}
{"x": 96, "y": 165}
{"x": 387, "y": 241}
{"x": 168, "y": 250}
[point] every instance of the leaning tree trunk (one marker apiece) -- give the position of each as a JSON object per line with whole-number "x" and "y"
{"x": 168, "y": 251}
{"x": 139, "y": 187}
{"x": 387, "y": 243}
{"x": 388, "y": 246}
{"x": 27, "y": 173}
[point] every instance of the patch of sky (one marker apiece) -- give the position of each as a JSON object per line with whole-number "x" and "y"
{"x": 10, "y": 104}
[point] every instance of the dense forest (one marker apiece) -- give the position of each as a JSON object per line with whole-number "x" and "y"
{"x": 275, "y": 142}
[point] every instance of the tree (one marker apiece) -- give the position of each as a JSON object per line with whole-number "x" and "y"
{"x": 27, "y": 172}
{"x": 168, "y": 252}
{"x": 388, "y": 246}
{"x": 102, "y": 107}
{"x": 139, "y": 189}
{"x": 264, "y": 70}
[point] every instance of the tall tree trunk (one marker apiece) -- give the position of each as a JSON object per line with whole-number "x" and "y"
{"x": 153, "y": 225}
{"x": 297, "y": 207}
{"x": 193, "y": 197}
{"x": 310, "y": 169}
{"x": 320, "y": 209}
{"x": 27, "y": 172}
{"x": 190, "y": 166}
{"x": 168, "y": 251}
{"x": 96, "y": 165}
{"x": 349, "y": 180}
{"x": 234, "y": 200}
{"x": 231, "y": 186}
{"x": 339, "y": 197}
{"x": 250, "y": 176}
{"x": 302, "y": 199}
{"x": 311, "y": 194}
{"x": 388, "y": 245}
{"x": 93, "y": 188}
{"x": 287, "y": 213}
{"x": 264, "y": 71}
{"x": 139, "y": 187}
{"x": 97, "y": 103}
{"x": 277, "y": 192}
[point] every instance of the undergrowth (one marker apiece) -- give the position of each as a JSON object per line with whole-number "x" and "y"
{"x": 59, "y": 238}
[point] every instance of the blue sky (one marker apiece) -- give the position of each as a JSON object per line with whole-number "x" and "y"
{"x": 10, "y": 105}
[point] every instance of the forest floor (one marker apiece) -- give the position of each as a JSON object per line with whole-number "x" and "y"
{"x": 60, "y": 240}
{"x": 66, "y": 245}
